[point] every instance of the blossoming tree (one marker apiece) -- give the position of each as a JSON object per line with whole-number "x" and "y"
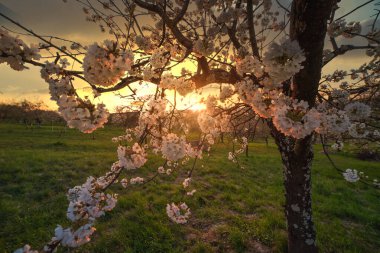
{"x": 268, "y": 59}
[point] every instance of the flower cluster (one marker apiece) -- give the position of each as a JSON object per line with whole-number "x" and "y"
{"x": 262, "y": 102}
{"x": 283, "y": 60}
{"x": 211, "y": 103}
{"x": 337, "y": 76}
{"x": 152, "y": 113}
{"x": 226, "y": 92}
{"x": 357, "y": 111}
{"x": 124, "y": 182}
{"x": 338, "y": 145}
{"x": 351, "y": 175}
{"x": 149, "y": 73}
{"x": 296, "y": 119}
{"x": 178, "y": 214}
{"x": 126, "y": 137}
{"x": 107, "y": 63}
{"x": 186, "y": 182}
{"x": 233, "y": 156}
{"x": 207, "y": 123}
{"x": 159, "y": 58}
{"x": 224, "y": 123}
{"x": 131, "y": 158}
{"x": 334, "y": 122}
{"x": 358, "y": 130}
{"x": 78, "y": 113}
{"x": 341, "y": 27}
{"x": 68, "y": 238}
{"x": 137, "y": 180}
{"x": 144, "y": 43}
{"x": 339, "y": 97}
{"x": 15, "y": 52}
{"x": 183, "y": 86}
{"x": 250, "y": 64}
{"x": 25, "y": 249}
{"x": 177, "y": 52}
{"x": 246, "y": 90}
{"x": 203, "y": 47}
{"x": 173, "y": 147}
{"x": 87, "y": 202}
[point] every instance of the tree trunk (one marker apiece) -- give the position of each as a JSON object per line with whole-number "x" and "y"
{"x": 308, "y": 25}
{"x": 297, "y": 156}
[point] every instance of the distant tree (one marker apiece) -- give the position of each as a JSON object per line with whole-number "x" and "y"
{"x": 125, "y": 116}
{"x": 28, "y": 113}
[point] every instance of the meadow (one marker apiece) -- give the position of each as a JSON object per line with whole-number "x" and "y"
{"x": 235, "y": 209}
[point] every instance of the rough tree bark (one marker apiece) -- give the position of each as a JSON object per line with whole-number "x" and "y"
{"x": 308, "y": 26}
{"x": 297, "y": 157}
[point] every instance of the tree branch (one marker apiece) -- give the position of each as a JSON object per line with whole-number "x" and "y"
{"x": 251, "y": 29}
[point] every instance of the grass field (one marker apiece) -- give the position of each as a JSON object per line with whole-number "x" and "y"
{"x": 233, "y": 210}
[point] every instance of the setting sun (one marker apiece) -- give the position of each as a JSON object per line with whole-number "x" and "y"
{"x": 198, "y": 107}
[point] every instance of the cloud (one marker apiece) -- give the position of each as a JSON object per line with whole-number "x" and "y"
{"x": 51, "y": 17}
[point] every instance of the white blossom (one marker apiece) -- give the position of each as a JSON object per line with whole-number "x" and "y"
{"x": 351, "y": 175}
{"x": 178, "y": 214}
{"x": 357, "y": 110}
{"x": 183, "y": 86}
{"x": 341, "y": 27}
{"x": 264, "y": 102}
{"x": 186, "y": 182}
{"x": 132, "y": 158}
{"x": 14, "y": 51}
{"x": 25, "y": 249}
{"x": 250, "y": 64}
{"x": 338, "y": 145}
{"x": 136, "y": 180}
{"x": 144, "y": 43}
{"x": 283, "y": 60}
{"x": 124, "y": 182}
{"x": 74, "y": 239}
{"x": 87, "y": 202}
{"x": 296, "y": 119}
{"x": 173, "y": 147}
{"x": 206, "y": 123}
{"x": 161, "y": 170}
{"x": 358, "y": 130}
{"x": 246, "y": 90}
{"x": 191, "y": 193}
{"x": 203, "y": 47}
{"x": 159, "y": 58}
{"x": 226, "y": 92}
{"x": 333, "y": 121}
{"x": 106, "y": 64}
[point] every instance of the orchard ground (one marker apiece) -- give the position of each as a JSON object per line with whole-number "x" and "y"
{"x": 234, "y": 209}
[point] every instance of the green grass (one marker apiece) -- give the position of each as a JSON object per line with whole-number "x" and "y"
{"x": 233, "y": 210}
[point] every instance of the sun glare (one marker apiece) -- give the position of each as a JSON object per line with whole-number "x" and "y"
{"x": 198, "y": 107}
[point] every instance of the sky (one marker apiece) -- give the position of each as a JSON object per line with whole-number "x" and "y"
{"x": 54, "y": 17}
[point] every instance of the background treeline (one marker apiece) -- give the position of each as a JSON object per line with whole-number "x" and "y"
{"x": 28, "y": 113}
